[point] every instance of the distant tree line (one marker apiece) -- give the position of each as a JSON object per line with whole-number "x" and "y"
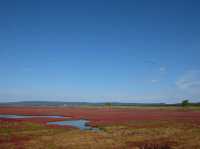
{"x": 183, "y": 103}
{"x": 186, "y": 103}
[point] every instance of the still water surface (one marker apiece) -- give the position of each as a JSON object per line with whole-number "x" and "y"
{"x": 28, "y": 116}
{"x": 81, "y": 123}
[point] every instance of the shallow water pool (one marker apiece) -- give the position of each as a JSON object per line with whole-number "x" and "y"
{"x": 29, "y": 116}
{"x": 81, "y": 124}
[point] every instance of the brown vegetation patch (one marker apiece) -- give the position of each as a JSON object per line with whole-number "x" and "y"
{"x": 153, "y": 144}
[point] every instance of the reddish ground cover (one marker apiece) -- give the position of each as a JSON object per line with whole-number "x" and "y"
{"x": 104, "y": 115}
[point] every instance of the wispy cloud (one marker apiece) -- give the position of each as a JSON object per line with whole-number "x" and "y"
{"x": 162, "y": 69}
{"x": 190, "y": 82}
{"x": 154, "y": 81}
{"x": 150, "y": 62}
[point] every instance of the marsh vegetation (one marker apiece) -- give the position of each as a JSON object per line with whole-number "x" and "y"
{"x": 143, "y": 133}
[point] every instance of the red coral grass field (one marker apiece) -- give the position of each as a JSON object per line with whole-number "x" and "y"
{"x": 120, "y": 128}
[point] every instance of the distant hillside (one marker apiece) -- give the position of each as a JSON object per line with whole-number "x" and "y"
{"x": 58, "y": 103}
{"x": 55, "y": 103}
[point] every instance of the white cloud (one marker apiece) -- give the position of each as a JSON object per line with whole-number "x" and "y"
{"x": 154, "y": 81}
{"x": 190, "y": 82}
{"x": 162, "y": 69}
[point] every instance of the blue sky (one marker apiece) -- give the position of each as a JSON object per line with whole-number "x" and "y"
{"x": 100, "y": 50}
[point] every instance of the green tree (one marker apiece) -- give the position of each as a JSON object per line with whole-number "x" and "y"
{"x": 108, "y": 104}
{"x": 185, "y": 103}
